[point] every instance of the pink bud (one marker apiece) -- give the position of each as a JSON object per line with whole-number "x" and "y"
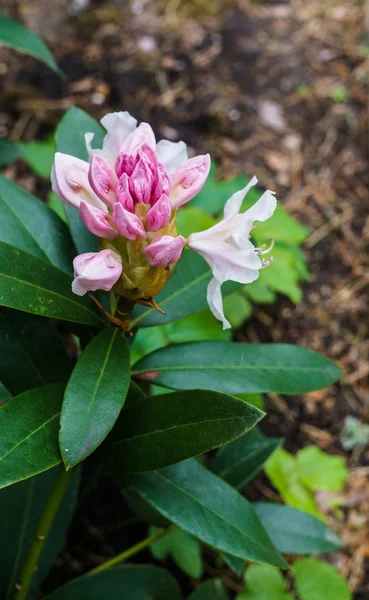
{"x": 69, "y": 180}
{"x": 96, "y": 271}
{"x": 150, "y": 152}
{"x": 125, "y": 163}
{"x": 140, "y": 136}
{"x": 188, "y": 179}
{"x": 140, "y": 182}
{"x": 102, "y": 179}
{"x": 165, "y": 250}
{"x": 162, "y": 184}
{"x": 159, "y": 214}
{"x": 128, "y": 224}
{"x": 97, "y": 221}
{"x": 123, "y": 194}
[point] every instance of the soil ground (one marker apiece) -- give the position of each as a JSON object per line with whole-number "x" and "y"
{"x": 274, "y": 89}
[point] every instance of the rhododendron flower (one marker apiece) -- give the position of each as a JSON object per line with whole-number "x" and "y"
{"x": 96, "y": 271}
{"x": 227, "y": 247}
{"x": 127, "y": 195}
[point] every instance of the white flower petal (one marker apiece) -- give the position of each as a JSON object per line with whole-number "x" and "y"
{"x": 215, "y": 301}
{"x": 233, "y": 205}
{"x": 119, "y": 125}
{"x": 171, "y": 154}
{"x": 263, "y": 208}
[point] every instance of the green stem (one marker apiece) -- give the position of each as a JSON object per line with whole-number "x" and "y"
{"x": 47, "y": 518}
{"x": 123, "y": 556}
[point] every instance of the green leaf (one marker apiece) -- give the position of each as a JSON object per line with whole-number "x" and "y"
{"x": 237, "y": 565}
{"x": 167, "y": 429}
{"x": 237, "y": 368}
{"x": 281, "y": 227}
{"x": 29, "y": 442}
{"x": 316, "y": 579}
{"x": 320, "y": 471}
{"x": 294, "y": 531}
{"x": 70, "y": 139}
{"x": 264, "y": 583}
{"x": 133, "y": 582}
{"x": 212, "y": 589}
{"x": 216, "y": 192}
{"x": 237, "y": 308}
{"x": 56, "y": 205}
{"x": 183, "y": 294}
{"x": 239, "y": 462}
{"x": 8, "y": 152}
{"x": 255, "y": 399}
{"x": 94, "y": 396}
{"x": 192, "y": 219}
{"x": 32, "y": 285}
{"x": 31, "y": 352}
{"x": 143, "y": 510}
{"x": 16, "y": 36}
{"x": 205, "y": 506}
{"x": 184, "y": 548}
{"x": 21, "y": 506}
{"x": 39, "y": 155}
{"x": 30, "y": 225}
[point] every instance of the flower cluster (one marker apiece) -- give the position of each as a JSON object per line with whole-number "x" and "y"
{"x": 128, "y": 194}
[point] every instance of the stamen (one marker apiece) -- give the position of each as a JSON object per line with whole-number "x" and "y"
{"x": 264, "y": 249}
{"x": 266, "y": 262}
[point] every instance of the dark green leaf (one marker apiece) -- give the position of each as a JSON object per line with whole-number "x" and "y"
{"x": 239, "y": 461}
{"x": 70, "y": 139}
{"x": 165, "y": 430}
{"x": 237, "y": 565}
{"x": 94, "y": 396}
{"x": 133, "y": 582}
{"x": 212, "y": 589}
{"x": 39, "y": 155}
{"x": 208, "y": 508}
{"x": 183, "y": 294}
{"x": 21, "y": 506}
{"x": 16, "y": 36}
{"x": 32, "y": 285}
{"x": 237, "y": 368}
{"x": 316, "y": 579}
{"x": 8, "y": 152}
{"x": 30, "y": 225}
{"x": 144, "y": 511}
{"x": 31, "y": 352}
{"x": 294, "y": 531}
{"x": 29, "y": 441}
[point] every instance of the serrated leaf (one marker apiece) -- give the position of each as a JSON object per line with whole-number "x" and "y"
{"x": 185, "y": 494}
{"x": 94, "y": 396}
{"x": 29, "y": 441}
{"x": 16, "y": 36}
{"x": 212, "y": 589}
{"x": 32, "y": 285}
{"x": 236, "y": 368}
{"x": 316, "y": 579}
{"x": 320, "y": 471}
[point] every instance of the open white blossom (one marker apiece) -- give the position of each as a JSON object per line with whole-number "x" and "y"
{"x": 227, "y": 248}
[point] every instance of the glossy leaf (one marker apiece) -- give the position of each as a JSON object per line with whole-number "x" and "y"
{"x": 264, "y": 583}
{"x": 134, "y": 582}
{"x": 216, "y": 192}
{"x": 70, "y": 139}
{"x": 294, "y": 531}
{"x": 16, "y": 36}
{"x": 183, "y": 547}
{"x": 21, "y": 506}
{"x": 39, "y": 155}
{"x": 237, "y": 368}
{"x": 239, "y": 461}
{"x": 316, "y": 579}
{"x": 237, "y": 565}
{"x": 183, "y": 294}
{"x": 29, "y": 441}
{"x": 204, "y": 505}
{"x": 32, "y": 285}
{"x": 94, "y": 396}
{"x": 8, "y": 152}
{"x": 29, "y": 224}
{"x": 212, "y": 589}
{"x": 158, "y": 432}
{"x": 31, "y": 352}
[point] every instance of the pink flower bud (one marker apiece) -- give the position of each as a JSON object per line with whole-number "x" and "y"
{"x": 102, "y": 179}
{"x": 159, "y": 214}
{"x": 97, "y": 221}
{"x": 140, "y": 182}
{"x": 165, "y": 250}
{"x": 140, "y": 136}
{"x": 96, "y": 271}
{"x": 123, "y": 195}
{"x": 128, "y": 224}
{"x": 188, "y": 179}
{"x": 125, "y": 163}
{"x": 69, "y": 179}
{"x": 162, "y": 185}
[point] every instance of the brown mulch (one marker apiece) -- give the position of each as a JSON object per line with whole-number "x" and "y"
{"x": 278, "y": 90}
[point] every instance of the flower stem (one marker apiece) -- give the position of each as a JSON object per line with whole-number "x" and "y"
{"x": 47, "y": 518}
{"x": 123, "y": 556}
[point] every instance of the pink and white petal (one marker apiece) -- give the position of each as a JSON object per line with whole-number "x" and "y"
{"x": 102, "y": 179}
{"x": 119, "y": 126}
{"x": 96, "y": 271}
{"x": 263, "y": 208}
{"x": 188, "y": 179}
{"x": 97, "y": 221}
{"x": 143, "y": 135}
{"x": 165, "y": 250}
{"x": 140, "y": 182}
{"x": 233, "y": 205}
{"x": 128, "y": 224}
{"x": 123, "y": 195}
{"x": 171, "y": 154}
{"x": 161, "y": 186}
{"x": 215, "y": 301}
{"x": 69, "y": 180}
{"x": 159, "y": 214}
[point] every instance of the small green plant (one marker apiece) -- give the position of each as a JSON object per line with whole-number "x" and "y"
{"x": 339, "y": 94}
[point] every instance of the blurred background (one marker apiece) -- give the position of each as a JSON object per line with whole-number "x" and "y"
{"x": 269, "y": 88}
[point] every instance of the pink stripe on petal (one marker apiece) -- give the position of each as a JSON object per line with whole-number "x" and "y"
{"x": 140, "y": 182}
{"x": 103, "y": 179}
{"x": 159, "y": 214}
{"x": 188, "y": 179}
{"x": 96, "y": 271}
{"x": 128, "y": 224}
{"x": 165, "y": 250}
{"x": 97, "y": 221}
{"x": 123, "y": 195}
